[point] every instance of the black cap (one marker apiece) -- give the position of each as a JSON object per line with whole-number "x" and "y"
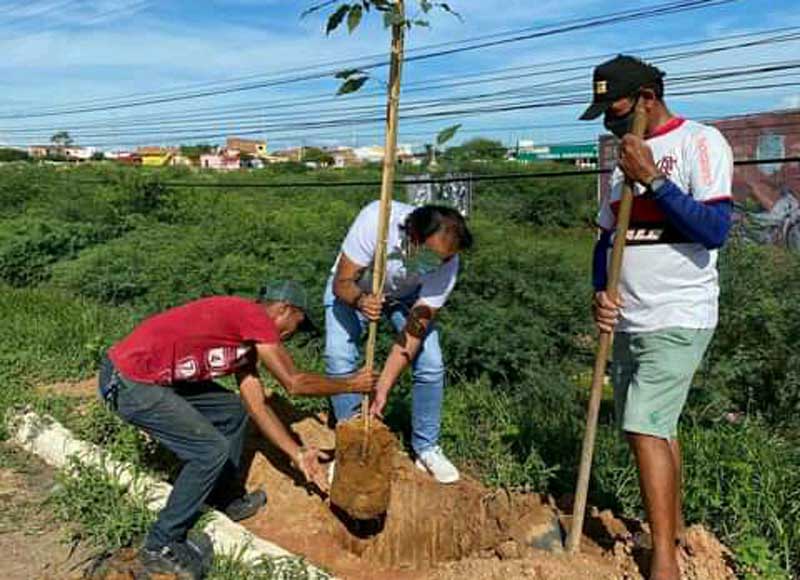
{"x": 619, "y": 77}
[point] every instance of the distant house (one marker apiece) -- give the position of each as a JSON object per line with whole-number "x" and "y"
{"x": 221, "y": 160}
{"x": 75, "y": 153}
{"x": 369, "y": 154}
{"x": 123, "y": 157}
{"x": 252, "y": 162}
{"x": 343, "y": 157}
{"x": 156, "y": 156}
{"x": 39, "y": 151}
{"x": 179, "y": 160}
{"x": 287, "y": 155}
{"x": 580, "y": 155}
{"x": 250, "y": 147}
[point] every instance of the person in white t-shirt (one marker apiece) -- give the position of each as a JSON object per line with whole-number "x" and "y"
{"x": 422, "y": 265}
{"x": 666, "y": 310}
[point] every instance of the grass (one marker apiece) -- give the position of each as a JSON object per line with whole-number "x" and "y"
{"x": 105, "y": 515}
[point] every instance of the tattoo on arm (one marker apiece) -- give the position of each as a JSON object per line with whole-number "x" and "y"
{"x": 416, "y": 326}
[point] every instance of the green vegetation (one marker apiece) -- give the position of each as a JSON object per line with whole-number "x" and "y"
{"x": 86, "y": 252}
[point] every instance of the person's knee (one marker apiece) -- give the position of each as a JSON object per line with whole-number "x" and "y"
{"x": 430, "y": 367}
{"x": 216, "y": 453}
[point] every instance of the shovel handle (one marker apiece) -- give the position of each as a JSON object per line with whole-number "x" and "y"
{"x": 603, "y": 348}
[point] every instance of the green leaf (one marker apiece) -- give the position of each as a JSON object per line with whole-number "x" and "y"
{"x": 423, "y": 23}
{"x": 354, "y": 18}
{"x": 382, "y": 5}
{"x": 317, "y": 7}
{"x": 348, "y": 72}
{"x": 425, "y": 5}
{"x": 352, "y": 85}
{"x": 446, "y": 134}
{"x": 393, "y": 18}
{"x": 446, "y": 7}
{"x": 336, "y": 18}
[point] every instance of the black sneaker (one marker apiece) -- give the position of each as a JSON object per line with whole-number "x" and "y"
{"x": 174, "y": 558}
{"x": 203, "y": 548}
{"x": 246, "y": 506}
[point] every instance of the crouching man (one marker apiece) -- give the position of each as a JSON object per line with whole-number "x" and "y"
{"x": 161, "y": 379}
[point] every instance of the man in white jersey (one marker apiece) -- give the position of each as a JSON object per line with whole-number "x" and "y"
{"x": 666, "y": 312}
{"x": 421, "y": 270}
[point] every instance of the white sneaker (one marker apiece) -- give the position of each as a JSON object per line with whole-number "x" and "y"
{"x": 435, "y": 462}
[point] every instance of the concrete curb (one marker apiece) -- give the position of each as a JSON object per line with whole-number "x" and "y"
{"x": 56, "y": 445}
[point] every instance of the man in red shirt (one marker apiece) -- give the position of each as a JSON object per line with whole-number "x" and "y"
{"x": 161, "y": 379}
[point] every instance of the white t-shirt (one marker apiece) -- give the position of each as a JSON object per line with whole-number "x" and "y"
{"x": 359, "y": 246}
{"x": 667, "y": 280}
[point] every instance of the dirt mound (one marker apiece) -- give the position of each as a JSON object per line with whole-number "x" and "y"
{"x": 449, "y": 532}
{"x": 124, "y": 565}
{"x": 364, "y": 464}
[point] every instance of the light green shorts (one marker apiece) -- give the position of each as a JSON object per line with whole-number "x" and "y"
{"x": 652, "y": 373}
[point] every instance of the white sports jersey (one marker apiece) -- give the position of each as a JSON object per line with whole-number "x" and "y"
{"x": 667, "y": 280}
{"x": 434, "y": 287}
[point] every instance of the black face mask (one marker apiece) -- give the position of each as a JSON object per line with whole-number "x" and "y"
{"x": 620, "y": 126}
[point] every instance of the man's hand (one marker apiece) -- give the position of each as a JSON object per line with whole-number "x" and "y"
{"x": 378, "y": 403}
{"x": 606, "y": 311}
{"x": 370, "y": 306}
{"x": 636, "y": 160}
{"x": 363, "y": 381}
{"x": 307, "y": 461}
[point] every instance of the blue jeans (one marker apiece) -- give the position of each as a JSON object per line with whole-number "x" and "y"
{"x": 344, "y": 326}
{"x": 205, "y": 426}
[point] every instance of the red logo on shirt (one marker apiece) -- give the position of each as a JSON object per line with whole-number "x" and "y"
{"x": 667, "y": 164}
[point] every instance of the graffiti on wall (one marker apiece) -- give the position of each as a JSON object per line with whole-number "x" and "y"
{"x": 452, "y": 189}
{"x": 767, "y": 195}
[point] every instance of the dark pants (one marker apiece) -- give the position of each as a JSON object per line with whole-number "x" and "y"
{"x": 204, "y": 425}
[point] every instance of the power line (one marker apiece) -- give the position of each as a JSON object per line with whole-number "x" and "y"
{"x": 568, "y": 26}
{"x": 481, "y": 77}
{"x": 698, "y": 82}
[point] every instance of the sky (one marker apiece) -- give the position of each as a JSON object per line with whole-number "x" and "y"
{"x": 63, "y": 55}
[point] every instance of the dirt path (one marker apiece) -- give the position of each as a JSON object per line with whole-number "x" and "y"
{"x": 32, "y": 544}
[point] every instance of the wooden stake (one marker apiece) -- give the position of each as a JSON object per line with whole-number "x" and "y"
{"x": 387, "y": 187}
{"x": 604, "y": 347}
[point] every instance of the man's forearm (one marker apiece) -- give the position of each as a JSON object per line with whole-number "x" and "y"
{"x": 268, "y": 423}
{"x": 314, "y": 385}
{"x": 403, "y": 352}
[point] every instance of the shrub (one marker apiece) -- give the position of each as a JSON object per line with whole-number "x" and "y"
{"x": 754, "y": 360}
{"x": 29, "y": 247}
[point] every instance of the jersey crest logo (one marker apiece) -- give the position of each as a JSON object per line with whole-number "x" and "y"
{"x": 667, "y": 164}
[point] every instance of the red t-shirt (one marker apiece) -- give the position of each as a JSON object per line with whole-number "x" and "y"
{"x": 207, "y": 338}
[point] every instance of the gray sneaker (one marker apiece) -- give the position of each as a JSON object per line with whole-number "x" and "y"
{"x": 175, "y": 558}
{"x": 246, "y": 506}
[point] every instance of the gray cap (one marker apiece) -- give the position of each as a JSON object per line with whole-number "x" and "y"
{"x": 293, "y": 293}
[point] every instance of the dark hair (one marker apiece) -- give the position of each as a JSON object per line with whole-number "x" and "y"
{"x": 428, "y": 220}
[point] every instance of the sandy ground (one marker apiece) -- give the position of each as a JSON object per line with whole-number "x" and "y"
{"x": 33, "y": 546}
{"x": 458, "y": 532}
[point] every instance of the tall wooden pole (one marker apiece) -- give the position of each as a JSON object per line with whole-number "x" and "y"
{"x": 598, "y": 377}
{"x": 387, "y": 184}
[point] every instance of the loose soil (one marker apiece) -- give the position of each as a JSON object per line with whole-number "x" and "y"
{"x": 449, "y": 532}
{"x": 431, "y": 531}
{"x": 364, "y": 464}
